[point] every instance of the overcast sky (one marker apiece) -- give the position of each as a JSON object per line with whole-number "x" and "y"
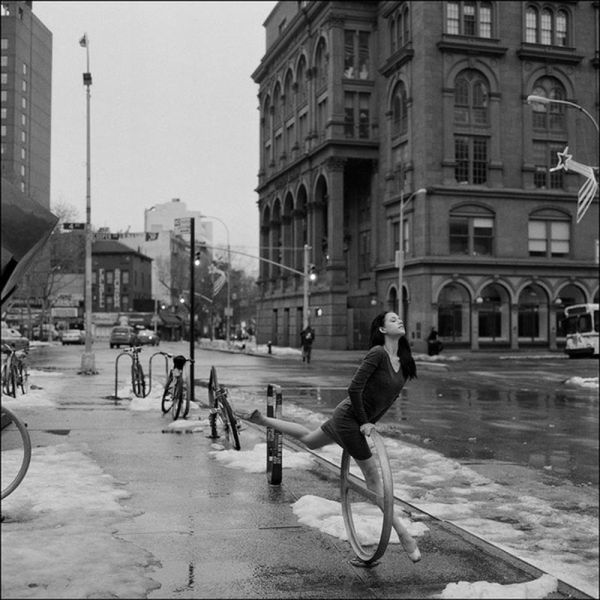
{"x": 174, "y": 110}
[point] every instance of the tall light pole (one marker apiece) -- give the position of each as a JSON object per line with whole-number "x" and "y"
{"x": 88, "y": 361}
{"x": 543, "y": 100}
{"x": 400, "y": 255}
{"x": 228, "y": 311}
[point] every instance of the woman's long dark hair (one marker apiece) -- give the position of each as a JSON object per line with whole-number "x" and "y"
{"x": 407, "y": 362}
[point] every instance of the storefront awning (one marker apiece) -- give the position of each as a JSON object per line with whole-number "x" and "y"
{"x": 169, "y": 320}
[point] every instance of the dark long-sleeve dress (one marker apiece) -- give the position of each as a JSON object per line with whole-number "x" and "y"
{"x": 374, "y": 388}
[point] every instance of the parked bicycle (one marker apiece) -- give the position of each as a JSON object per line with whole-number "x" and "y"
{"x": 16, "y": 451}
{"x": 176, "y": 397}
{"x": 221, "y": 411}
{"x": 138, "y": 379}
{"x": 14, "y": 371}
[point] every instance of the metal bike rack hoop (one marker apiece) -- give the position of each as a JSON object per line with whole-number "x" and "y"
{"x": 116, "y": 397}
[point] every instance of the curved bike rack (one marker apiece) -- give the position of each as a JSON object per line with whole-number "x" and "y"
{"x": 150, "y": 369}
{"x": 116, "y": 396}
{"x": 274, "y": 438}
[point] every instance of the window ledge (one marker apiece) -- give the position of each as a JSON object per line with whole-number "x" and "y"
{"x": 396, "y": 60}
{"x": 551, "y": 54}
{"x": 468, "y": 45}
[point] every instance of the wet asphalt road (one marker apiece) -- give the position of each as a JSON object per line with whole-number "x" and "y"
{"x": 520, "y": 408}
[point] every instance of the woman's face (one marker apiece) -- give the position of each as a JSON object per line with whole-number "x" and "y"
{"x": 393, "y": 325}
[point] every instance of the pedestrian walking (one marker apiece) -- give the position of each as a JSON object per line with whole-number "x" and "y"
{"x": 376, "y": 384}
{"x": 434, "y": 345}
{"x": 307, "y": 337}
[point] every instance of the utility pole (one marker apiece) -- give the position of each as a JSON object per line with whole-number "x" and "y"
{"x": 88, "y": 361}
{"x": 192, "y": 303}
{"x": 305, "y": 281}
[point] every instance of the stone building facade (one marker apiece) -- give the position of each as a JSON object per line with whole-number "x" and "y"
{"x": 367, "y": 107}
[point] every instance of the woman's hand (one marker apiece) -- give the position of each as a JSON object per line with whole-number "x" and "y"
{"x": 366, "y": 429}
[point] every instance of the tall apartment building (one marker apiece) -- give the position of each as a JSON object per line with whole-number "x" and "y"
{"x": 26, "y": 85}
{"x": 161, "y": 217}
{"x": 394, "y": 122}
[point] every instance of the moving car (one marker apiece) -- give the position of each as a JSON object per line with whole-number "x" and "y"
{"x": 72, "y": 336}
{"x": 123, "y": 335}
{"x": 12, "y": 337}
{"x": 148, "y": 337}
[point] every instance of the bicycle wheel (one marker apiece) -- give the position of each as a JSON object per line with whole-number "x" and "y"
{"x": 229, "y": 420}
{"x": 177, "y": 404}
{"x": 16, "y": 451}
{"x": 137, "y": 380}
{"x": 9, "y": 380}
{"x": 213, "y": 387}
{"x": 352, "y": 493}
{"x": 167, "y": 397}
{"x": 23, "y": 378}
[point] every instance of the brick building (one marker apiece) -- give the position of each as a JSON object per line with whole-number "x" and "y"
{"x": 367, "y": 105}
{"x": 121, "y": 278}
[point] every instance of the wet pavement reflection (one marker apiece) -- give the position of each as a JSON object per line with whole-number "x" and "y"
{"x": 554, "y": 431}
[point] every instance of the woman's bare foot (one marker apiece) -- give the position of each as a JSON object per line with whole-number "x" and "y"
{"x": 411, "y": 548}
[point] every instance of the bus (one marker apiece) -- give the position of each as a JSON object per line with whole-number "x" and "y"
{"x": 581, "y": 330}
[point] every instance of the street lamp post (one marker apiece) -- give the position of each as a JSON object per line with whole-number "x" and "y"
{"x": 88, "y": 366}
{"x": 401, "y": 245}
{"x": 228, "y": 310}
{"x": 543, "y": 100}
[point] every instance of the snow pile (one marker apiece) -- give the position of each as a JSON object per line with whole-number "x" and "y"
{"x": 59, "y": 522}
{"x": 538, "y": 588}
{"x": 326, "y": 515}
{"x": 254, "y": 461}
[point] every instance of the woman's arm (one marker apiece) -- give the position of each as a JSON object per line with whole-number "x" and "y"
{"x": 355, "y": 390}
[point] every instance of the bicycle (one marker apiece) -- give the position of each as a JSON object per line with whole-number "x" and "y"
{"x": 14, "y": 371}
{"x": 221, "y": 411}
{"x": 138, "y": 380}
{"x": 176, "y": 397}
{"x": 16, "y": 451}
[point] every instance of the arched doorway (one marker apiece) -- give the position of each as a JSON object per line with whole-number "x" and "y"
{"x": 453, "y": 314}
{"x": 567, "y": 296}
{"x": 493, "y": 315}
{"x": 533, "y": 315}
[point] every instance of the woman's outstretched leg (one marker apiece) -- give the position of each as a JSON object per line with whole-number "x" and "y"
{"x": 373, "y": 480}
{"x": 312, "y": 439}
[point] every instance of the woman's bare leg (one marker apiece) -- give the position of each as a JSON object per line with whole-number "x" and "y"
{"x": 373, "y": 480}
{"x": 312, "y": 439}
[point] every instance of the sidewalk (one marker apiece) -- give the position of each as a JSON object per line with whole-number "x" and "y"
{"x": 182, "y": 521}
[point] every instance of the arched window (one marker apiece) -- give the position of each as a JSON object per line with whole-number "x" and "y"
{"x": 549, "y": 234}
{"x": 321, "y": 63}
{"x": 548, "y": 26}
{"x": 288, "y": 100}
{"x": 399, "y": 110}
{"x": 277, "y": 106}
{"x": 549, "y": 117}
{"x": 471, "y": 230}
{"x": 301, "y": 81}
{"x": 471, "y": 99}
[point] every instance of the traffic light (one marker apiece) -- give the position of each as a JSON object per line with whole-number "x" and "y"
{"x": 318, "y": 311}
{"x": 312, "y": 273}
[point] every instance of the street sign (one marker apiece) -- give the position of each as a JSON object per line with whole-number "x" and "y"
{"x": 183, "y": 225}
{"x": 72, "y": 226}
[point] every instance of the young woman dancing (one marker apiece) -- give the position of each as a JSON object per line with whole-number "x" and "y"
{"x": 374, "y": 388}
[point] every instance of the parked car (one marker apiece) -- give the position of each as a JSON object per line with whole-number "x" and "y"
{"x": 72, "y": 336}
{"x": 12, "y": 337}
{"x": 45, "y": 333}
{"x": 123, "y": 335}
{"x": 148, "y": 337}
